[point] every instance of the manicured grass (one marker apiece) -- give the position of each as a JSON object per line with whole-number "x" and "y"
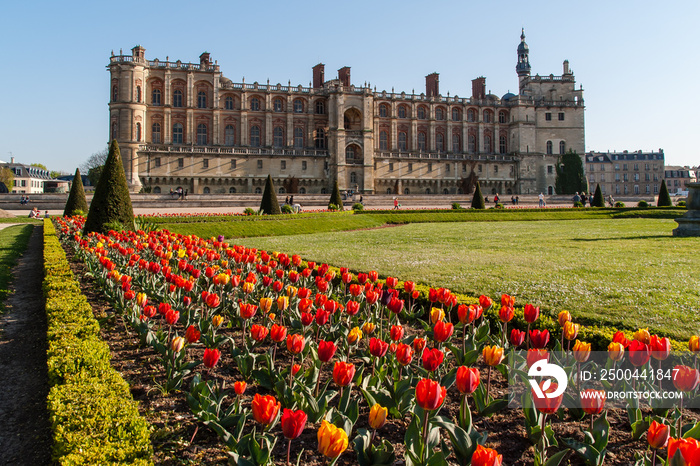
{"x": 623, "y": 272}
{"x": 22, "y": 219}
{"x": 13, "y": 242}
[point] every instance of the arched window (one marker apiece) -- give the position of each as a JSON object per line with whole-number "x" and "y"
{"x": 229, "y": 135}
{"x": 320, "y": 138}
{"x": 350, "y": 154}
{"x": 228, "y": 103}
{"x": 282, "y": 191}
{"x": 471, "y": 115}
{"x": 277, "y": 137}
{"x": 383, "y": 140}
{"x": 427, "y": 191}
{"x": 156, "y": 190}
{"x": 487, "y": 144}
{"x": 406, "y": 191}
{"x": 138, "y": 93}
{"x": 440, "y": 142}
{"x": 402, "y": 141}
{"x": 255, "y": 136}
{"x": 138, "y": 131}
{"x": 562, "y": 147}
{"x": 383, "y": 110}
{"x": 421, "y": 113}
{"x": 549, "y": 148}
{"x": 487, "y": 116}
{"x": 402, "y": 111}
{"x": 206, "y": 190}
{"x": 201, "y": 134}
{"x": 456, "y": 114}
{"x": 177, "y": 133}
{"x": 298, "y": 106}
{"x": 439, "y": 113}
{"x": 232, "y": 190}
{"x": 502, "y": 145}
{"x": 155, "y": 97}
{"x": 115, "y": 93}
{"x": 155, "y": 133}
{"x": 320, "y": 107}
{"x": 298, "y": 138}
{"x": 114, "y": 131}
{"x": 255, "y": 104}
{"x": 388, "y": 190}
{"x": 177, "y": 98}
{"x": 277, "y": 105}
{"x": 456, "y": 143}
{"x": 302, "y": 190}
{"x": 201, "y": 99}
{"x": 421, "y": 141}
{"x": 502, "y": 117}
{"x": 258, "y": 190}
{"x": 472, "y": 144}
{"x": 353, "y": 177}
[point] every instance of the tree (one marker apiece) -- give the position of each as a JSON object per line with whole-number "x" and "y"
{"x": 598, "y": 200}
{"x": 7, "y": 177}
{"x": 111, "y": 202}
{"x": 39, "y": 165}
{"x": 336, "y": 198}
{"x": 269, "y": 204}
{"x": 478, "y": 199}
{"x": 94, "y": 164}
{"x": 570, "y": 176}
{"x": 76, "y": 199}
{"x": 664, "y": 199}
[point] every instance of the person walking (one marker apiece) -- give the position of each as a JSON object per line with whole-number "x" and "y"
{"x": 541, "y": 199}
{"x": 396, "y": 203}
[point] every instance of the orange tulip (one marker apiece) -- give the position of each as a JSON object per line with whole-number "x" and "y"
{"x": 582, "y": 351}
{"x": 642, "y": 335}
{"x": 377, "y": 416}
{"x": 616, "y": 351}
{"x": 343, "y": 372}
{"x": 570, "y": 330}
{"x": 593, "y": 401}
{"x": 239, "y": 387}
{"x": 694, "y": 344}
{"x": 658, "y": 435}
{"x": 332, "y": 441}
{"x": 295, "y": 343}
{"x": 486, "y": 457}
{"x": 683, "y": 451}
{"x": 493, "y": 355}
{"x": 265, "y": 408}
{"x": 563, "y": 317}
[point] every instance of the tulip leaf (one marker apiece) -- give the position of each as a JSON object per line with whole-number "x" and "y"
{"x": 362, "y": 446}
{"x": 589, "y": 453}
{"x": 693, "y": 432}
{"x": 601, "y": 432}
{"x": 264, "y": 379}
{"x": 438, "y": 459}
{"x": 556, "y": 458}
{"x": 494, "y": 407}
{"x": 462, "y": 445}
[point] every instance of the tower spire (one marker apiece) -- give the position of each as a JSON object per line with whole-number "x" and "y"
{"x": 523, "y": 65}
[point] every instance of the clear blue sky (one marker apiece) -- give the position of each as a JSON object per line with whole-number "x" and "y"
{"x": 638, "y": 61}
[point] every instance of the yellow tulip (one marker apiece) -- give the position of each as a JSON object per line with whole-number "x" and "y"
{"x": 643, "y": 336}
{"x": 694, "y": 344}
{"x": 181, "y": 253}
{"x": 582, "y": 351}
{"x": 570, "y": 330}
{"x": 223, "y": 279}
{"x": 291, "y": 291}
{"x": 616, "y": 351}
{"x": 248, "y": 287}
{"x": 377, "y": 416}
{"x": 332, "y": 441}
{"x": 265, "y": 304}
{"x": 177, "y": 344}
{"x": 436, "y": 314}
{"x": 493, "y": 355}
{"x": 355, "y": 335}
{"x": 564, "y": 317}
{"x": 368, "y": 328}
{"x": 282, "y": 303}
{"x": 217, "y": 320}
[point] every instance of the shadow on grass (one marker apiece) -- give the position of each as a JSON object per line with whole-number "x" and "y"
{"x": 586, "y": 240}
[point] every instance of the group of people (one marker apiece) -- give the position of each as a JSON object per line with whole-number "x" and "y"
{"x": 36, "y": 213}
{"x": 582, "y": 198}
{"x": 24, "y": 200}
{"x": 289, "y": 200}
{"x": 179, "y": 193}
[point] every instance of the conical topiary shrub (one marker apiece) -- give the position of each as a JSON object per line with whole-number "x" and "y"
{"x": 598, "y": 200}
{"x": 478, "y": 199}
{"x": 76, "y": 199}
{"x": 664, "y": 199}
{"x": 336, "y": 199}
{"x": 111, "y": 204}
{"x": 269, "y": 204}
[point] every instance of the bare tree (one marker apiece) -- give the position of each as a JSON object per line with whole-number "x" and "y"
{"x": 93, "y": 165}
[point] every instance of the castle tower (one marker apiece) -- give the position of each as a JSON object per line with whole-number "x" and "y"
{"x": 523, "y": 66}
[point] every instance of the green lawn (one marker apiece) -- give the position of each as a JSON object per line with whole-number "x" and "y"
{"x": 13, "y": 242}
{"x": 622, "y": 272}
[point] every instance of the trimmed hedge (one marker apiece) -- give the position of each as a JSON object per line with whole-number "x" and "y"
{"x": 94, "y": 418}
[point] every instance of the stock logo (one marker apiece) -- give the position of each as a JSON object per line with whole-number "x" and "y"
{"x": 542, "y": 368}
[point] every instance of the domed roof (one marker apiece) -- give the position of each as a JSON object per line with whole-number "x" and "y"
{"x": 522, "y": 47}
{"x": 493, "y": 97}
{"x": 508, "y": 96}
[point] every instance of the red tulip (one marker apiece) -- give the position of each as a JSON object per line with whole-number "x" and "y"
{"x": 430, "y": 394}
{"x": 265, "y": 408}
{"x": 343, "y": 373}
{"x": 442, "y": 331}
{"x": 306, "y": 318}
{"x": 432, "y": 359}
{"x": 211, "y": 357}
{"x": 517, "y": 337}
{"x": 258, "y": 332}
{"x": 278, "y": 333}
{"x": 639, "y": 353}
{"x": 404, "y": 354}
{"x": 660, "y": 348}
{"x": 295, "y": 343}
{"x": 396, "y": 332}
{"x": 377, "y": 347}
{"x": 371, "y": 297}
{"x": 419, "y": 344}
{"x": 192, "y": 334}
{"x": 149, "y": 311}
{"x": 373, "y": 276}
{"x": 688, "y": 451}
{"x": 507, "y": 301}
{"x": 212, "y": 300}
{"x": 506, "y": 313}
{"x": 620, "y": 337}
{"x": 685, "y": 378}
{"x": 409, "y": 287}
{"x": 547, "y": 405}
{"x": 395, "y": 305}
{"x": 326, "y": 350}
{"x": 468, "y": 379}
{"x": 248, "y": 310}
{"x": 486, "y": 457}
{"x": 352, "y": 307}
{"x": 593, "y": 401}
{"x": 531, "y": 313}
{"x": 485, "y": 302}
{"x": 467, "y": 314}
{"x": 322, "y": 316}
{"x": 172, "y": 316}
{"x": 305, "y": 304}
{"x": 391, "y": 282}
{"x": 295, "y": 369}
{"x": 539, "y": 339}
{"x": 293, "y": 423}
{"x": 658, "y": 435}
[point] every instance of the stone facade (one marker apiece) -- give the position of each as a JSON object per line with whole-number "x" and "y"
{"x": 626, "y": 173}
{"x": 186, "y": 125}
{"x": 678, "y": 178}
{"x": 28, "y": 179}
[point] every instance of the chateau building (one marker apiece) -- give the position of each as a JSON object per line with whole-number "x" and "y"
{"x": 186, "y": 125}
{"x": 625, "y": 173}
{"x": 677, "y": 178}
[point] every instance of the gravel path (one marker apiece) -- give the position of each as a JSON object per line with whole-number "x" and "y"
{"x": 25, "y": 435}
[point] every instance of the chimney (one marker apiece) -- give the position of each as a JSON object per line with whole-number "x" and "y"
{"x": 204, "y": 60}
{"x": 479, "y": 88}
{"x": 318, "y": 75}
{"x": 138, "y": 53}
{"x": 344, "y": 76}
{"x": 432, "y": 85}
{"x": 566, "y": 67}
{"x": 12, "y": 160}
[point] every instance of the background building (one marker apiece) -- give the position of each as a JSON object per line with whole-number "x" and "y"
{"x": 186, "y": 125}
{"x": 625, "y": 173}
{"x": 677, "y": 179}
{"x": 28, "y": 179}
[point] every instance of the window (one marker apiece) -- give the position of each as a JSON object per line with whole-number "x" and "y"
{"x": 646, "y": 166}
{"x": 487, "y": 117}
{"x": 647, "y": 177}
{"x": 456, "y": 143}
{"x": 548, "y": 116}
{"x": 177, "y": 98}
{"x": 602, "y": 177}
{"x": 592, "y": 180}
{"x": 561, "y": 116}
{"x": 402, "y": 111}
{"x": 283, "y": 164}
{"x": 464, "y": 168}
{"x": 229, "y": 135}
{"x": 617, "y": 166}
{"x": 624, "y": 166}
{"x": 430, "y": 167}
{"x": 298, "y": 138}
{"x": 255, "y": 137}
{"x": 636, "y": 177}
{"x": 625, "y": 177}
{"x": 456, "y": 114}
{"x": 258, "y": 190}
{"x": 180, "y": 162}
{"x": 277, "y": 105}
{"x": 440, "y": 142}
{"x": 617, "y": 177}
{"x": 233, "y": 164}
{"x": 656, "y": 189}
{"x": 350, "y": 154}
{"x": 402, "y": 141}
{"x": 155, "y": 133}
{"x": 591, "y": 168}
{"x": 320, "y": 138}
{"x": 421, "y": 141}
{"x": 502, "y": 145}
{"x": 320, "y": 107}
{"x": 472, "y": 143}
{"x": 447, "y": 168}
{"x": 439, "y": 113}
{"x": 177, "y": 133}
{"x": 383, "y": 140}
{"x": 302, "y": 190}
{"x": 383, "y": 111}
{"x": 115, "y": 93}
{"x": 471, "y": 115}
{"x": 487, "y": 144}
{"x": 205, "y": 163}
{"x": 479, "y": 168}
{"x": 353, "y": 177}
{"x": 232, "y": 190}
{"x": 228, "y": 103}
{"x": 495, "y": 169}
{"x": 549, "y": 148}
{"x": 206, "y": 190}
{"x": 550, "y": 169}
{"x": 602, "y": 167}
{"x": 255, "y": 104}
{"x": 298, "y": 106}
{"x": 502, "y": 117}
{"x": 410, "y": 167}
{"x": 155, "y": 97}
{"x": 636, "y": 189}
{"x": 201, "y": 134}
{"x": 156, "y": 190}
{"x": 138, "y": 131}
{"x": 562, "y": 147}
{"x": 156, "y": 162}
{"x": 260, "y": 164}
{"x": 114, "y": 131}
{"x": 303, "y": 164}
{"x": 636, "y": 166}
{"x": 277, "y": 137}
{"x": 391, "y": 167}
{"x": 421, "y": 113}
{"x": 201, "y": 99}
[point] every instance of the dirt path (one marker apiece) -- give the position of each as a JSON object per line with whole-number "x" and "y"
{"x": 25, "y": 436}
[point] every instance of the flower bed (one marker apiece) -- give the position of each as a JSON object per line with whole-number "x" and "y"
{"x": 347, "y": 353}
